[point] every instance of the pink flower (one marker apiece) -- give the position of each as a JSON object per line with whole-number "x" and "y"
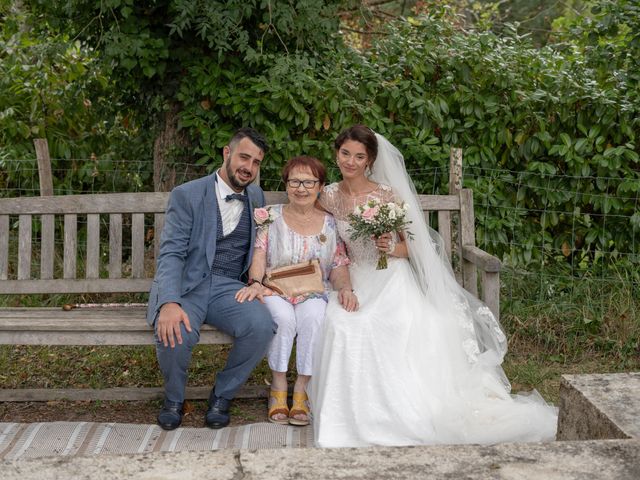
{"x": 261, "y": 215}
{"x": 370, "y": 214}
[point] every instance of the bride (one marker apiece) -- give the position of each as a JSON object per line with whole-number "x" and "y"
{"x": 419, "y": 362}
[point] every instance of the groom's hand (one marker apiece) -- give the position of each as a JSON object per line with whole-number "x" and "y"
{"x": 168, "y": 324}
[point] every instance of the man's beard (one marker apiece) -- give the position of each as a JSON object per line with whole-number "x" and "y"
{"x": 235, "y": 181}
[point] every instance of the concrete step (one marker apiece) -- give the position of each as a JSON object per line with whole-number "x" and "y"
{"x": 599, "y": 406}
{"x": 602, "y": 460}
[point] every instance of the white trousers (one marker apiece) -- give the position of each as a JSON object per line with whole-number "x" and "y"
{"x": 303, "y": 320}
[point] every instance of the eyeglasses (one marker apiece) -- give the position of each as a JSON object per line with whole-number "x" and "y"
{"x": 295, "y": 183}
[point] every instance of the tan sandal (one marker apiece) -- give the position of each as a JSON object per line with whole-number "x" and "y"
{"x": 278, "y": 404}
{"x": 300, "y": 407}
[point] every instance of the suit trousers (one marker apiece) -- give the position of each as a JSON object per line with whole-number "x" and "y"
{"x": 249, "y": 323}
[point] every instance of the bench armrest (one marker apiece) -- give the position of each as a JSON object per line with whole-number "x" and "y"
{"x": 483, "y": 260}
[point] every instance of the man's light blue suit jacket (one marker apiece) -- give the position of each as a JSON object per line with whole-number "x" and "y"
{"x": 188, "y": 241}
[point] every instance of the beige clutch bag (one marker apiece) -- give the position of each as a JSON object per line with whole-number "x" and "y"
{"x": 293, "y": 280}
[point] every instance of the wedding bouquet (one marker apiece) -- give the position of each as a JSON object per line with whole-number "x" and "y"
{"x": 374, "y": 218}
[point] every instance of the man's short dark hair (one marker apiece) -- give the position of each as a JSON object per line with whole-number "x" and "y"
{"x": 251, "y": 134}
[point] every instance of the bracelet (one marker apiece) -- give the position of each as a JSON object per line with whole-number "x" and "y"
{"x": 252, "y": 281}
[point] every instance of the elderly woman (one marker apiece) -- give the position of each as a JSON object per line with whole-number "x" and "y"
{"x": 289, "y": 234}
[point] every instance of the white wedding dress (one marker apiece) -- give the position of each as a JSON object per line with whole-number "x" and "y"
{"x": 409, "y": 367}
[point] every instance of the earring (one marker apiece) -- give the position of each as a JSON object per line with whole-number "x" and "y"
{"x": 318, "y": 195}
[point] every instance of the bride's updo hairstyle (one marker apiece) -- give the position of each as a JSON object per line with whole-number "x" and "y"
{"x": 362, "y": 134}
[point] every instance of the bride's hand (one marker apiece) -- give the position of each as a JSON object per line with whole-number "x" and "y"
{"x": 386, "y": 243}
{"x": 348, "y": 299}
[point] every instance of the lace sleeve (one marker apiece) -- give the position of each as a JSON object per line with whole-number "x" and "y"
{"x": 329, "y": 198}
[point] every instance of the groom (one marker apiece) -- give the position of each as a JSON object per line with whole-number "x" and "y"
{"x": 205, "y": 252}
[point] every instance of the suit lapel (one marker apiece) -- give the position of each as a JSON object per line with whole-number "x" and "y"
{"x": 254, "y": 202}
{"x": 211, "y": 219}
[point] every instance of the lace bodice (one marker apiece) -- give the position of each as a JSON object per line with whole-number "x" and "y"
{"x": 361, "y": 251}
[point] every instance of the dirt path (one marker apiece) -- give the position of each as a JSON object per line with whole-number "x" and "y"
{"x": 244, "y": 411}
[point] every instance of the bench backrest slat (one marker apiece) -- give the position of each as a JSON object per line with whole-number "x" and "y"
{"x": 137, "y": 245}
{"x": 4, "y": 247}
{"x": 467, "y": 237}
{"x": 24, "y": 247}
{"x": 141, "y": 202}
{"x": 158, "y": 224}
{"x": 79, "y": 285}
{"x": 444, "y": 229}
{"x": 70, "y": 245}
{"x": 115, "y": 245}
{"x": 47, "y": 247}
{"x": 99, "y": 221}
{"x": 92, "y": 269}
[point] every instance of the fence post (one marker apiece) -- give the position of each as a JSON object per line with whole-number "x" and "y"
{"x": 455, "y": 171}
{"x": 48, "y": 227}
{"x": 44, "y": 166}
{"x": 455, "y": 185}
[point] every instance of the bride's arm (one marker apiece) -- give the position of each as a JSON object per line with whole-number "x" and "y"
{"x": 387, "y": 243}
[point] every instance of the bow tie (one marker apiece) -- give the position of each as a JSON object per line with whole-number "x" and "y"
{"x": 235, "y": 196}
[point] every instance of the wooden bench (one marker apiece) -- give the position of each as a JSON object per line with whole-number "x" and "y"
{"x": 42, "y": 240}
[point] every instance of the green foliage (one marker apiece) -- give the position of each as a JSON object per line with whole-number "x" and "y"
{"x": 560, "y": 140}
{"x": 52, "y": 87}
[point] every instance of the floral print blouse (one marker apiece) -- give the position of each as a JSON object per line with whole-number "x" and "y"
{"x": 285, "y": 247}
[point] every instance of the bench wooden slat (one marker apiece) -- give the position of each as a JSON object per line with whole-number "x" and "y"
{"x": 444, "y": 229}
{"x": 140, "y": 202}
{"x": 70, "y": 245}
{"x": 491, "y": 291}
{"x": 115, "y": 245}
{"x": 158, "y": 224}
{"x": 92, "y": 269}
{"x": 439, "y": 202}
{"x": 275, "y": 197}
{"x": 481, "y": 259}
{"x": 47, "y": 246}
{"x": 4, "y": 247}
{"x": 24, "y": 247}
{"x": 98, "y": 285}
{"x": 85, "y": 326}
{"x": 137, "y": 245}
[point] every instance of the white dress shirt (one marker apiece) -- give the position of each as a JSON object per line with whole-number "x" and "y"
{"x": 231, "y": 211}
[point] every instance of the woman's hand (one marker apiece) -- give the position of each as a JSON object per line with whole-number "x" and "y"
{"x": 386, "y": 243}
{"x": 253, "y": 291}
{"x": 348, "y": 299}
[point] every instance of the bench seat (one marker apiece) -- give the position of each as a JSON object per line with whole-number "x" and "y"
{"x": 124, "y": 325}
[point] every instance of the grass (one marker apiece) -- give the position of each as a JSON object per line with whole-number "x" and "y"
{"x": 561, "y": 325}
{"x": 555, "y": 326}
